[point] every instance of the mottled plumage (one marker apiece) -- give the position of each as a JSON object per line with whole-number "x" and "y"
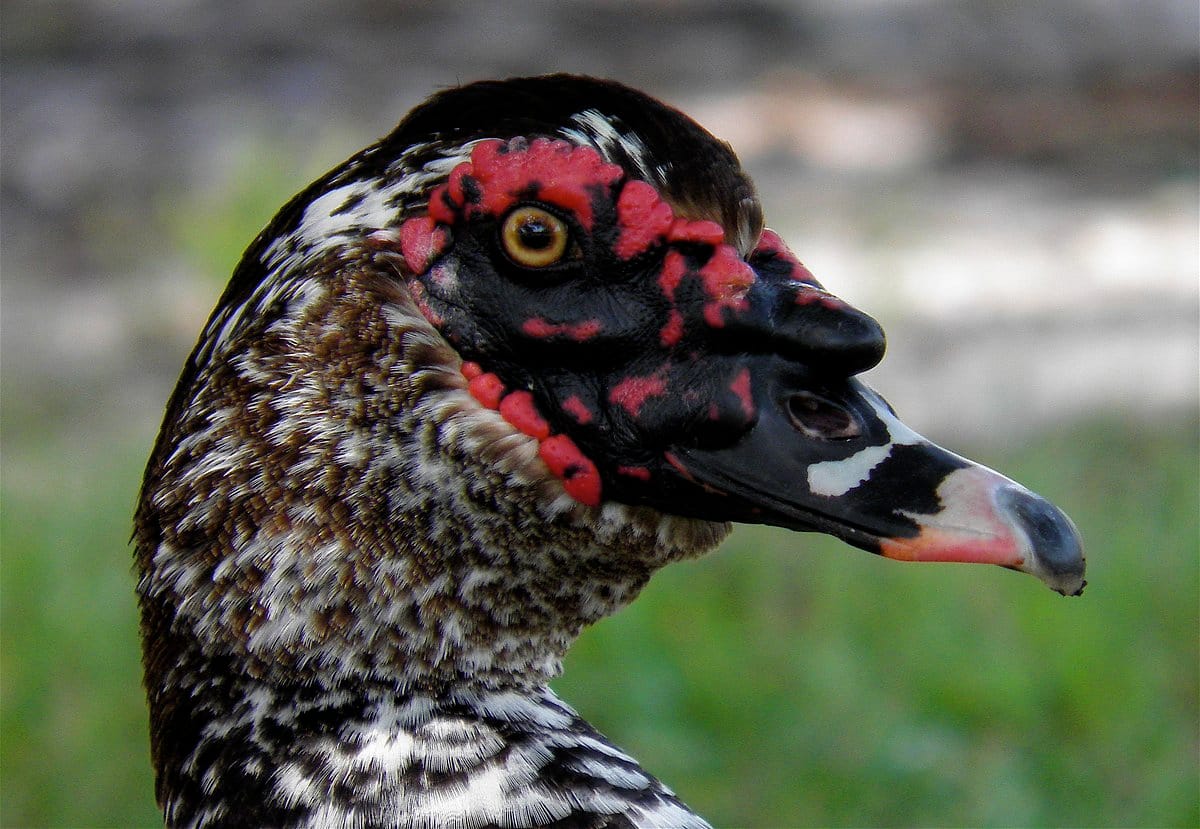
{"x": 411, "y": 458}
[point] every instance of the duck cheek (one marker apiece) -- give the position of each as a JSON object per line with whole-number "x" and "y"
{"x": 697, "y": 403}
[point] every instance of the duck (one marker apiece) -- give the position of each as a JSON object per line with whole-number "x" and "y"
{"x": 461, "y": 398}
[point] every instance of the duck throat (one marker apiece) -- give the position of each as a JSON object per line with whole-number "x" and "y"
{"x": 328, "y": 503}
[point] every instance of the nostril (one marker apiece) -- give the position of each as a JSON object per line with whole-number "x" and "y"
{"x": 819, "y": 417}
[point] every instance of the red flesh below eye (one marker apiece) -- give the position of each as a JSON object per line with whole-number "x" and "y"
{"x": 519, "y": 409}
{"x": 579, "y": 475}
{"x": 577, "y": 409}
{"x": 578, "y": 331}
{"x": 487, "y": 389}
{"x": 741, "y": 387}
{"x": 672, "y": 332}
{"x": 632, "y": 392}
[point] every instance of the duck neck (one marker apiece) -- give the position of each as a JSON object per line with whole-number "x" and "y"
{"x": 432, "y": 587}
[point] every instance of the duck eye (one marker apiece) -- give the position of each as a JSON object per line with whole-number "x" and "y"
{"x": 533, "y": 237}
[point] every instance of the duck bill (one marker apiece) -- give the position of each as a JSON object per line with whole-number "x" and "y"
{"x": 988, "y": 519}
{"x": 880, "y": 486}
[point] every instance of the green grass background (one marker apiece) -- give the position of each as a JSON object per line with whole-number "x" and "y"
{"x": 785, "y": 680}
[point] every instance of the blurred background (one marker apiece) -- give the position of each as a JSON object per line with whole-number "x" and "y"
{"x": 1010, "y": 188}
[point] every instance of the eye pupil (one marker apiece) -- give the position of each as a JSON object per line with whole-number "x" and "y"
{"x": 535, "y": 234}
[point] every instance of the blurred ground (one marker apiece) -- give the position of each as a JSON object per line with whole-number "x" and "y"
{"x": 1010, "y": 188}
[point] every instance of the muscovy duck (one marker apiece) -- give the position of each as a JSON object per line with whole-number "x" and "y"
{"x": 460, "y": 399}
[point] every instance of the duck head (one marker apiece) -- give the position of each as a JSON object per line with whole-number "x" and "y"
{"x": 613, "y": 294}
